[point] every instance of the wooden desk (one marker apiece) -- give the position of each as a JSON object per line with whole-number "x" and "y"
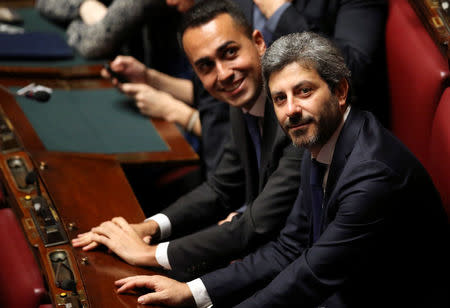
{"x": 82, "y": 191}
{"x": 178, "y": 148}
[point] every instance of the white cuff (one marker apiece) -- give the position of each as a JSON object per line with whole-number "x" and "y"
{"x": 165, "y": 227}
{"x": 161, "y": 255}
{"x": 200, "y": 294}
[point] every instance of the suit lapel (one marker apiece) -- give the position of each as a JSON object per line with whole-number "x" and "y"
{"x": 247, "y": 152}
{"x": 270, "y": 134}
{"x": 344, "y": 146}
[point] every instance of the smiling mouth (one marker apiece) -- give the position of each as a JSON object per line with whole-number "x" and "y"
{"x": 234, "y": 88}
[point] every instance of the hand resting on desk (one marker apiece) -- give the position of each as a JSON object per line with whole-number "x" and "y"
{"x": 128, "y": 241}
{"x": 167, "y": 292}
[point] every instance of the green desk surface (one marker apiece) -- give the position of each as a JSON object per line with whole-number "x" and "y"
{"x": 34, "y": 22}
{"x": 91, "y": 121}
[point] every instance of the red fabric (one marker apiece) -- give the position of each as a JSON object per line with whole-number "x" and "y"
{"x": 439, "y": 158}
{"x": 417, "y": 72}
{"x": 21, "y": 282}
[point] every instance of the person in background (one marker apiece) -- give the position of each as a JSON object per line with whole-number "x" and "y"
{"x": 356, "y": 27}
{"x": 145, "y": 29}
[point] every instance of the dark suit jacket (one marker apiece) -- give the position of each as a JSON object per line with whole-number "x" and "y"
{"x": 384, "y": 239}
{"x": 215, "y": 119}
{"x": 269, "y": 195}
{"x": 357, "y": 28}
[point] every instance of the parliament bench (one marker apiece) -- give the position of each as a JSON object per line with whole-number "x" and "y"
{"x": 418, "y": 75}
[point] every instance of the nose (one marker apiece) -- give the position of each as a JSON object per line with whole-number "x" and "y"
{"x": 292, "y": 106}
{"x": 224, "y": 72}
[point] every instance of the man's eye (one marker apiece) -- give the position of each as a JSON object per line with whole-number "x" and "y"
{"x": 204, "y": 67}
{"x": 303, "y": 91}
{"x": 279, "y": 99}
{"x": 230, "y": 52}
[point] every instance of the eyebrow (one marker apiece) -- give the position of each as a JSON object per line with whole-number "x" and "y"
{"x": 299, "y": 84}
{"x": 219, "y": 50}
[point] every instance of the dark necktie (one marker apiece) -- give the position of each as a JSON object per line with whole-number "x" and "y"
{"x": 253, "y": 129}
{"x": 316, "y": 180}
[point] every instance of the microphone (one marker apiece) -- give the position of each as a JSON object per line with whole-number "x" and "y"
{"x": 37, "y": 92}
{"x": 40, "y": 96}
{"x": 31, "y": 179}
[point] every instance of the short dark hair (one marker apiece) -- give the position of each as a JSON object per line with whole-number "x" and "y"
{"x": 205, "y": 11}
{"x": 311, "y": 51}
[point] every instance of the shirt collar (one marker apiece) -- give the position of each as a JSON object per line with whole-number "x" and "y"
{"x": 326, "y": 152}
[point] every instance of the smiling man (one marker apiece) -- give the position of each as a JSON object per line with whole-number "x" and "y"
{"x": 368, "y": 228}
{"x": 259, "y": 167}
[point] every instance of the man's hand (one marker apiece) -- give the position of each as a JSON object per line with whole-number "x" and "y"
{"x": 228, "y": 218}
{"x": 129, "y": 67}
{"x": 150, "y": 102}
{"x": 167, "y": 292}
{"x": 125, "y": 240}
{"x": 269, "y": 7}
{"x": 159, "y": 104}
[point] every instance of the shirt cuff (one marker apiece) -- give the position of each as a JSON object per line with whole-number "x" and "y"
{"x": 165, "y": 227}
{"x": 161, "y": 255}
{"x": 200, "y": 294}
{"x": 273, "y": 21}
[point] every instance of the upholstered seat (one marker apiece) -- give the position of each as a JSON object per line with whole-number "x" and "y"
{"x": 21, "y": 282}
{"x": 418, "y": 75}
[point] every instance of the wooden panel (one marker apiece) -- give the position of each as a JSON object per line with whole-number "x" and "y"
{"x": 436, "y": 20}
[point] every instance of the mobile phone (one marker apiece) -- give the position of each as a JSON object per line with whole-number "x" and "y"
{"x": 119, "y": 77}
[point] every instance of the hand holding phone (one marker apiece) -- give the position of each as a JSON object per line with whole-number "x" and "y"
{"x": 120, "y": 78}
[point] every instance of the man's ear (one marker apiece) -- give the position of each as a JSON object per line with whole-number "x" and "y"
{"x": 341, "y": 91}
{"x": 258, "y": 40}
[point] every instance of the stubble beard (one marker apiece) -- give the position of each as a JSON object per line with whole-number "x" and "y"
{"x": 323, "y": 127}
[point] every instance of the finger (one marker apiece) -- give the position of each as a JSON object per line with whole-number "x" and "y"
{"x": 119, "y": 63}
{"x": 101, "y": 239}
{"x": 137, "y": 282}
{"x": 123, "y": 224}
{"x": 104, "y": 73}
{"x": 83, "y": 234}
{"x": 90, "y": 246}
{"x": 147, "y": 239}
{"x": 126, "y": 280}
{"x": 152, "y": 298}
{"x": 79, "y": 243}
{"x": 82, "y": 240}
{"x": 107, "y": 228}
{"x": 140, "y": 105}
{"x": 130, "y": 89}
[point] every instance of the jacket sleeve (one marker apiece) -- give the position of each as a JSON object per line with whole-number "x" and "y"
{"x": 108, "y": 35}
{"x": 212, "y": 200}
{"x": 346, "y": 246}
{"x": 59, "y": 11}
{"x": 261, "y": 221}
